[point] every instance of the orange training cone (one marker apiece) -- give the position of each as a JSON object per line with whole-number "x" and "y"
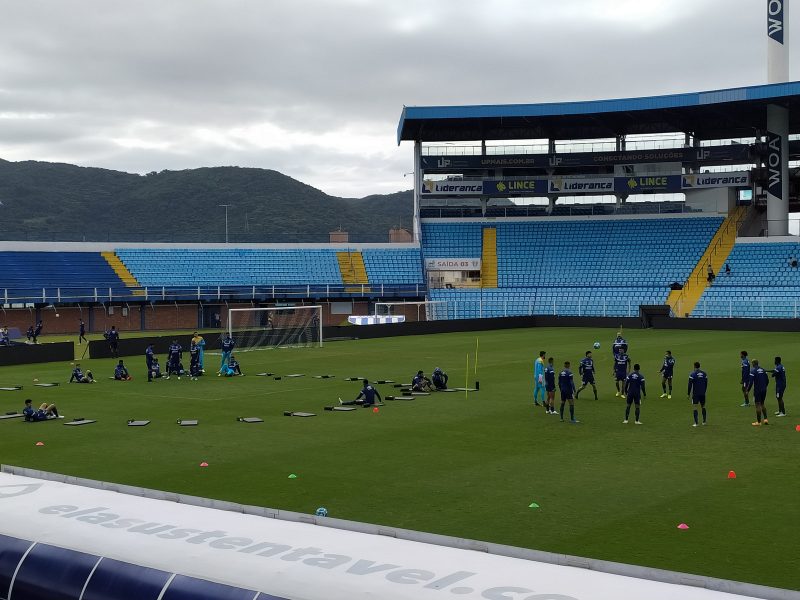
{"x": 40, "y": 443}
{"x": 731, "y": 474}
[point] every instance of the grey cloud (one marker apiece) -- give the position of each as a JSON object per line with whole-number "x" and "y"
{"x": 103, "y": 68}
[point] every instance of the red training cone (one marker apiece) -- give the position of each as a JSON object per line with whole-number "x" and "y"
{"x": 375, "y": 409}
{"x": 204, "y": 464}
{"x": 731, "y": 474}
{"x": 40, "y": 443}
{"x": 683, "y": 526}
{"x": 797, "y": 428}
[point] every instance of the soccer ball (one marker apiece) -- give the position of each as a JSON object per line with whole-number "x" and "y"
{"x": 58, "y": 315}
{"x": 322, "y": 512}
{"x": 596, "y": 345}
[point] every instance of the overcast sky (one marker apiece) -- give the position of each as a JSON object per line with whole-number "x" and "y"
{"x": 314, "y": 88}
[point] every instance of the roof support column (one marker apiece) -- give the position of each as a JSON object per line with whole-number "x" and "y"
{"x": 417, "y": 231}
{"x": 551, "y": 146}
{"x": 620, "y": 143}
{"x": 777, "y": 170}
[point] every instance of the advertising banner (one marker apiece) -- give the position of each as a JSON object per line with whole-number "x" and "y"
{"x": 452, "y": 188}
{"x": 580, "y": 185}
{"x": 515, "y": 187}
{"x": 647, "y": 183}
{"x": 731, "y": 154}
{"x": 775, "y": 164}
{"x": 775, "y": 20}
{"x": 710, "y": 180}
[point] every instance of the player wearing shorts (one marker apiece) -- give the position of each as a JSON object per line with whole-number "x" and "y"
{"x": 550, "y": 387}
{"x": 619, "y": 344}
{"x": 538, "y": 379}
{"x": 666, "y": 370}
{"x": 622, "y": 363}
{"x": 759, "y": 382}
{"x": 779, "y": 374}
{"x": 745, "y": 377}
{"x": 634, "y": 392}
{"x": 586, "y": 371}
{"x": 698, "y": 384}
{"x": 566, "y": 384}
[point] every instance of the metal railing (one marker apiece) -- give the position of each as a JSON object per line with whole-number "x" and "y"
{"x": 66, "y": 295}
{"x": 564, "y": 210}
{"x": 740, "y": 308}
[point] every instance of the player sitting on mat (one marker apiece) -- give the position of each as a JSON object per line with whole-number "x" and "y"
{"x": 440, "y": 379}
{"x": 155, "y": 369}
{"x": 78, "y": 375}
{"x": 121, "y": 372}
{"x": 420, "y": 383}
{"x": 46, "y": 411}
{"x": 232, "y": 368}
{"x": 366, "y": 397}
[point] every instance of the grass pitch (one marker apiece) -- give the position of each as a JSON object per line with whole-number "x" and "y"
{"x": 460, "y": 465}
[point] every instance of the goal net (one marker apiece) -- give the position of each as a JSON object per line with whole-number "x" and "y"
{"x": 423, "y": 310}
{"x": 275, "y": 327}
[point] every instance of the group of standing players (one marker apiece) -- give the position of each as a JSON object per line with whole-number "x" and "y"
{"x": 630, "y": 385}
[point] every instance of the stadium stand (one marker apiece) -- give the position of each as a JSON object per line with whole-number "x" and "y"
{"x": 26, "y": 273}
{"x": 390, "y": 266}
{"x": 600, "y": 267}
{"x": 761, "y": 284}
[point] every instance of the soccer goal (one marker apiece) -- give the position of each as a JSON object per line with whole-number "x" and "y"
{"x": 423, "y": 310}
{"x": 260, "y": 328}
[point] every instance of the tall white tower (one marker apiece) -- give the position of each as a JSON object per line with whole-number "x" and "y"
{"x": 777, "y": 120}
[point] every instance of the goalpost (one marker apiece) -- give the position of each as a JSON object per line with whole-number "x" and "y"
{"x": 425, "y": 310}
{"x": 263, "y": 328}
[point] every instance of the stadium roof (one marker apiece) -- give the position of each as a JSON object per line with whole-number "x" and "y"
{"x": 720, "y": 114}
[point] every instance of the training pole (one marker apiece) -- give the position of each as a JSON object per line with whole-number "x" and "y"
{"x": 466, "y": 379}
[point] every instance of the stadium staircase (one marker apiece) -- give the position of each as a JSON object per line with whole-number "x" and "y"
{"x": 122, "y": 272}
{"x": 719, "y": 248}
{"x": 352, "y": 268}
{"x": 489, "y": 258}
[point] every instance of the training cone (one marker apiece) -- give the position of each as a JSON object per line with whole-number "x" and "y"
{"x": 533, "y": 505}
{"x": 683, "y": 526}
{"x": 797, "y": 428}
{"x": 292, "y": 476}
{"x": 203, "y": 464}
{"x": 375, "y": 409}
{"x": 40, "y": 443}
{"x": 731, "y": 474}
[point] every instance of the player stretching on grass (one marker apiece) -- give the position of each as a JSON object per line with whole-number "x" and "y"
{"x": 759, "y": 382}
{"x": 666, "y": 370}
{"x": 622, "y": 363}
{"x": 745, "y": 377}
{"x": 634, "y": 392}
{"x": 779, "y": 373}
{"x": 550, "y": 387}
{"x": 566, "y": 384}
{"x": 698, "y": 384}
{"x": 366, "y": 397}
{"x": 586, "y": 371}
{"x": 538, "y": 379}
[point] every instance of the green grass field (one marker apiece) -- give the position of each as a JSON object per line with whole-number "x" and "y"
{"x": 456, "y": 465}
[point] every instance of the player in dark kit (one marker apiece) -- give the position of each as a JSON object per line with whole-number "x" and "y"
{"x": 366, "y": 397}
{"x": 698, "y": 384}
{"x": 666, "y": 370}
{"x": 745, "y": 377}
{"x": 779, "y": 373}
{"x": 622, "y": 363}
{"x": 174, "y": 355}
{"x": 82, "y": 332}
{"x": 194, "y": 361}
{"x": 112, "y": 336}
{"x": 586, "y": 371}
{"x": 550, "y": 388}
{"x": 619, "y": 345}
{"x": 566, "y": 385}
{"x": 759, "y": 382}
{"x": 634, "y": 392}
{"x": 148, "y": 357}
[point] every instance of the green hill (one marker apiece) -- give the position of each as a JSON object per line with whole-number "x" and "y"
{"x": 50, "y": 201}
